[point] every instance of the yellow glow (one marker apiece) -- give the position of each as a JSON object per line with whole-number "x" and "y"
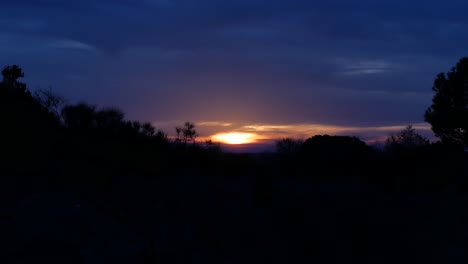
{"x": 235, "y": 138}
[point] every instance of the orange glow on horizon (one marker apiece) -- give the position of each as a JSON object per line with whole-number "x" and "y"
{"x": 235, "y": 138}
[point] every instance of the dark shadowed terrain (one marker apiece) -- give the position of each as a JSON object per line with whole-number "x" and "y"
{"x": 81, "y": 184}
{"x": 240, "y": 213}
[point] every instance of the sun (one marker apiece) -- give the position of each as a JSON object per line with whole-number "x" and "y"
{"x": 235, "y": 138}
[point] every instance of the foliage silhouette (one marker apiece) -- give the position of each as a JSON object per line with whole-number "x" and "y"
{"x": 109, "y": 118}
{"x": 213, "y": 147}
{"x": 29, "y": 131}
{"x": 186, "y": 133}
{"x": 405, "y": 140}
{"x": 11, "y": 74}
{"x": 51, "y": 102}
{"x": 80, "y": 117}
{"x": 148, "y": 129}
{"x": 288, "y": 146}
{"x": 334, "y": 147}
{"x": 448, "y": 113}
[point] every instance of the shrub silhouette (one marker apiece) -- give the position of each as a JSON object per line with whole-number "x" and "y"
{"x": 288, "y": 146}
{"x": 406, "y": 140}
{"x": 334, "y": 147}
{"x": 80, "y": 118}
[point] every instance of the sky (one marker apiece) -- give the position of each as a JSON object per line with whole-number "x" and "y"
{"x": 266, "y": 67}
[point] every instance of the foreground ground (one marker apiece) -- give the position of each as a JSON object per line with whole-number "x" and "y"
{"x": 233, "y": 219}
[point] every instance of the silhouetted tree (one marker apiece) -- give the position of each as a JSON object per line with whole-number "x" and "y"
{"x": 187, "y": 133}
{"x": 109, "y": 122}
{"x": 213, "y": 147}
{"x": 14, "y": 92}
{"x": 136, "y": 126}
{"x": 288, "y": 146}
{"x": 327, "y": 147}
{"x": 28, "y": 129}
{"x": 50, "y": 101}
{"x": 407, "y": 139}
{"x": 160, "y": 137}
{"x": 448, "y": 113}
{"x": 148, "y": 129}
{"x": 80, "y": 117}
{"x": 11, "y": 74}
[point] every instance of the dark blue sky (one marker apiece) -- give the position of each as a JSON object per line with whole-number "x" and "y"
{"x": 342, "y": 63}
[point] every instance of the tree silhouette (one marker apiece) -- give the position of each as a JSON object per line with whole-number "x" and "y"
{"x": 160, "y": 137}
{"x": 448, "y": 114}
{"x": 325, "y": 147}
{"x": 80, "y": 117}
{"x": 148, "y": 130}
{"x": 187, "y": 133}
{"x": 11, "y": 74}
{"x": 109, "y": 119}
{"x": 50, "y": 101}
{"x": 28, "y": 133}
{"x": 14, "y": 93}
{"x": 288, "y": 146}
{"x": 407, "y": 139}
{"x": 212, "y": 147}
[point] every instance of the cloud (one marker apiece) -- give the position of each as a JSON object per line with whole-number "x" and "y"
{"x": 275, "y": 131}
{"x": 366, "y": 67}
{"x": 214, "y": 124}
{"x": 72, "y": 44}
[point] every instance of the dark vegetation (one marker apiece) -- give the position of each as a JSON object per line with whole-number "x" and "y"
{"x": 82, "y": 184}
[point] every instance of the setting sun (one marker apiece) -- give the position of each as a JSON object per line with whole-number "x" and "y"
{"x": 235, "y": 138}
